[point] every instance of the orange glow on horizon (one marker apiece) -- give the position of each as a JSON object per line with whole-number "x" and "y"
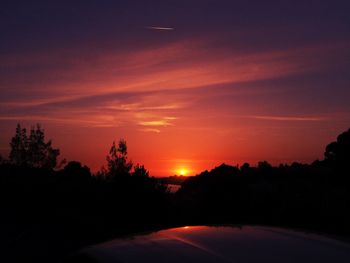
{"x": 182, "y": 171}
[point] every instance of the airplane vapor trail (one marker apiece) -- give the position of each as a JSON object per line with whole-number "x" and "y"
{"x": 159, "y": 28}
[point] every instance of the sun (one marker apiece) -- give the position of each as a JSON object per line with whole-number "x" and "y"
{"x": 182, "y": 171}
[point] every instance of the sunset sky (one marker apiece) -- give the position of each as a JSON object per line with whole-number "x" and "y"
{"x": 188, "y": 84}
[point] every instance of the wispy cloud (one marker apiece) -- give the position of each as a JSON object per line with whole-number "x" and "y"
{"x": 151, "y": 130}
{"x": 92, "y": 121}
{"x": 170, "y": 118}
{"x": 162, "y": 123}
{"x": 289, "y": 118}
{"x": 141, "y": 107}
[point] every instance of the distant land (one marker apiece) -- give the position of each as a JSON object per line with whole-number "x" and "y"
{"x": 174, "y": 179}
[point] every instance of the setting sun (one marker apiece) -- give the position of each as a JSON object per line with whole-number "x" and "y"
{"x": 182, "y": 171}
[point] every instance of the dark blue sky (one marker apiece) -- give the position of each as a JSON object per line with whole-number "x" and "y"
{"x": 28, "y": 25}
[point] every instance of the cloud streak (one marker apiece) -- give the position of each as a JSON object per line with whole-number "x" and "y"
{"x": 160, "y": 28}
{"x": 289, "y": 118}
{"x": 151, "y": 130}
{"x": 156, "y": 123}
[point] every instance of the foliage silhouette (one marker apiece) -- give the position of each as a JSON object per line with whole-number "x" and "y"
{"x": 117, "y": 160}
{"x": 338, "y": 153}
{"x": 32, "y": 151}
{"x": 19, "y": 146}
{"x": 140, "y": 171}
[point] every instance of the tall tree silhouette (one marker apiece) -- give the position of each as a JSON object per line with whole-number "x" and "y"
{"x": 338, "y": 152}
{"x": 40, "y": 153}
{"x": 117, "y": 160}
{"x": 32, "y": 151}
{"x": 19, "y": 146}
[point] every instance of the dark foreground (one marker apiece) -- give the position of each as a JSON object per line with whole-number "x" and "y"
{"x": 219, "y": 244}
{"x": 49, "y": 214}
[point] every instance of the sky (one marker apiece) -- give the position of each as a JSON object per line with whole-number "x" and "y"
{"x": 188, "y": 84}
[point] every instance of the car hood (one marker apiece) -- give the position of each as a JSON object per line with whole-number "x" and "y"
{"x": 222, "y": 244}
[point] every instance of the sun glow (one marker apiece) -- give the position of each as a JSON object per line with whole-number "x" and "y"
{"x": 182, "y": 171}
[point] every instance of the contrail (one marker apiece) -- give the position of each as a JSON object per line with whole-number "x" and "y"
{"x": 159, "y": 28}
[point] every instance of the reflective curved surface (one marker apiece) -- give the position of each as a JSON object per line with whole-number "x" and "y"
{"x": 222, "y": 244}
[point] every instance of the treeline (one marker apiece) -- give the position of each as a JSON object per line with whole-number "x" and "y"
{"x": 66, "y": 208}
{"x": 311, "y": 196}
{"x": 173, "y": 179}
{"x": 47, "y": 211}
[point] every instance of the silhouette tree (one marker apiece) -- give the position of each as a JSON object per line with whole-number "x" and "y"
{"x": 76, "y": 170}
{"x": 338, "y": 152}
{"x": 264, "y": 165}
{"x": 36, "y": 146}
{"x": 19, "y": 146}
{"x": 245, "y": 167}
{"x": 40, "y": 153}
{"x": 32, "y": 151}
{"x": 117, "y": 160}
{"x": 140, "y": 171}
